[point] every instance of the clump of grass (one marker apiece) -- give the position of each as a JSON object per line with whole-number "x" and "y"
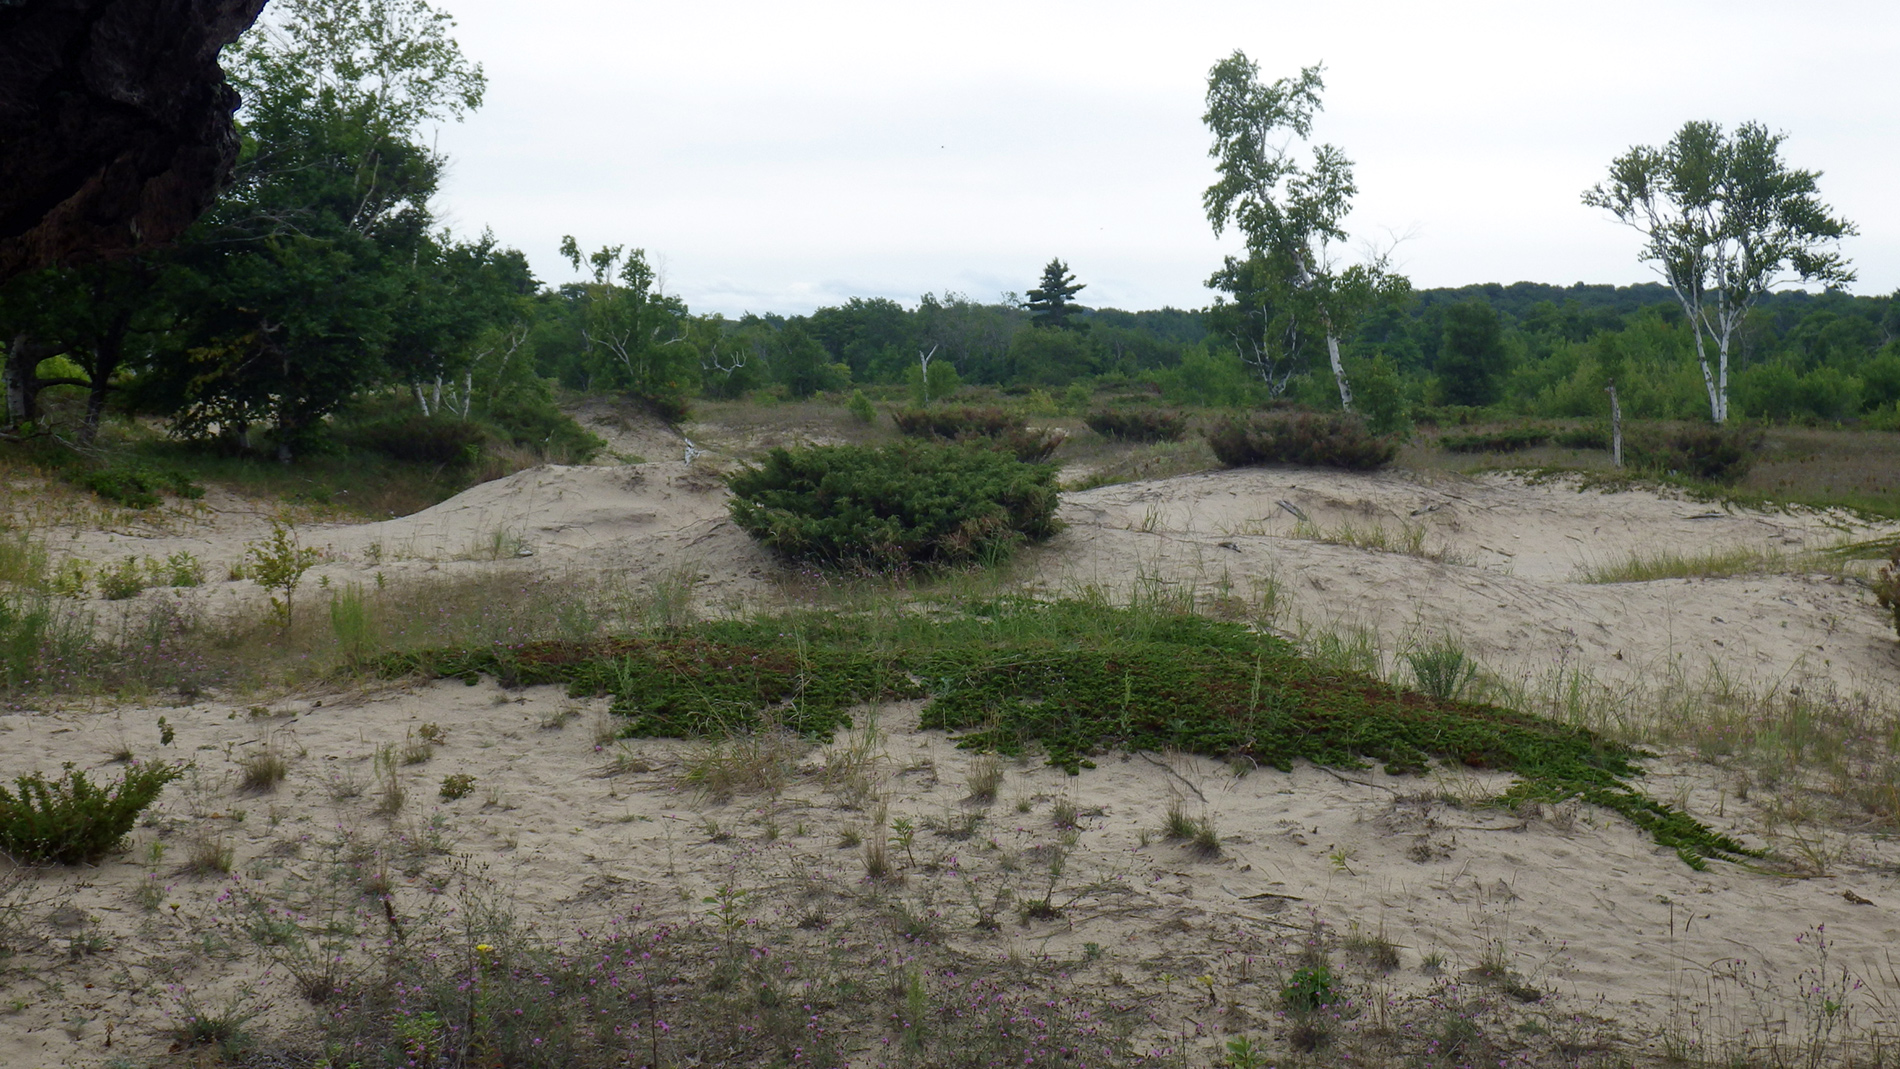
{"x": 262, "y": 770}
{"x": 457, "y": 785}
{"x": 1640, "y": 567}
{"x": 1442, "y": 668}
{"x": 1374, "y": 951}
{"x": 1197, "y": 832}
{"x": 1407, "y": 539}
{"x": 209, "y": 855}
{"x": 756, "y": 762}
{"x": 986, "y": 778}
{"x": 1075, "y": 678}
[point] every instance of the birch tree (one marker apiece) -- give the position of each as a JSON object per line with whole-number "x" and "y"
{"x": 1289, "y": 213}
{"x": 1724, "y": 220}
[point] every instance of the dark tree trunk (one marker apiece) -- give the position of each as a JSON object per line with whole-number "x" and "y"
{"x": 115, "y": 124}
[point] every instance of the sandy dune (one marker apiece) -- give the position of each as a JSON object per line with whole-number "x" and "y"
{"x": 1616, "y": 936}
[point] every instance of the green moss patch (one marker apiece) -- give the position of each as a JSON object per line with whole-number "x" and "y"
{"x": 1073, "y": 679}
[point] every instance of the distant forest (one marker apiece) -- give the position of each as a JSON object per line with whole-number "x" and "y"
{"x": 320, "y": 299}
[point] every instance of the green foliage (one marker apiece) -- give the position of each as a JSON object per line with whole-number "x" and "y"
{"x": 1339, "y": 440}
{"x": 955, "y": 424}
{"x": 1073, "y": 678}
{"x": 71, "y": 820}
{"x": 992, "y": 426}
{"x": 1507, "y": 440}
{"x": 1442, "y": 668}
{"x": 892, "y": 508}
{"x": 935, "y": 382}
{"x": 438, "y": 439}
{"x": 137, "y": 488}
{"x": 1380, "y": 396}
{"x": 277, "y": 563}
{"x": 457, "y": 785}
{"x": 1309, "y": 989}
{"x": 1138, "y": 424}
{"x": 126, "y": 580}
{"x": 1051, "y": 303}
{"x": 1724, "y": 219}
{"x": 1583, "y": 438}
{"x": 861, "y": 408}
{"x": 1721, "y": 454}
{"x": 1051, "y": 357}
{"x": 630, "y": 329}
{"x": 1471, "y": 357}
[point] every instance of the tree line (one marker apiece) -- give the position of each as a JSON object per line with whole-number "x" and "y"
{"x": 321, "y": 289}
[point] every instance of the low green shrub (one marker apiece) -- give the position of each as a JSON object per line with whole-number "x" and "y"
{"x": 956, "y": 424}
{"x": 137, "y": 488}
{"x": 1138, "y": 424}
{"x": 991, "y": 426}
{"x": 1509, "y": 440}
{"x": 544, "y": 428}
{"x": 1583, "y": 438}
{"x": 1071, "y": 679}
{"x": 421, "y": 439}
{"x": 1309, "y": 989}
{"x": 1338, "y": 440}
{"x": 126, "y": 580}
{"x": 1720, "y": 454}
{"x": 72, "y": 820}
{"x": 861, "y": 408}
{"x": 892, "y": 507}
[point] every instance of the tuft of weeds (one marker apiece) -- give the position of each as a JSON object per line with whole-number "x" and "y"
{"x": 1374, "y": 951}
{"x": 125, "y": 580}
{"x": 1442, "y": 668}
{"x": 1407, "y": 539}
{"x": 1640, "y": 567}
{"x": 986, "y": 778}
{"x": 756, "y": 762}
{"x": 209, "y": 855}
{"x": 457, "y": 785}
{"x": 262, "y": 770}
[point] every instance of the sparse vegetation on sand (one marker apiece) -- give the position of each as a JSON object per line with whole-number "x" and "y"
{"x": 1075, "y": 679}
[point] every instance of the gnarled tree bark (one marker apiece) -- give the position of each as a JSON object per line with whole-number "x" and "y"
{"x": 115, "y": 124}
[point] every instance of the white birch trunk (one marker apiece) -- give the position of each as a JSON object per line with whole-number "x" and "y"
{"x": 1339, "y": 371}
{"x": 421, "y": 400}
{"x": 1616, "y": 428}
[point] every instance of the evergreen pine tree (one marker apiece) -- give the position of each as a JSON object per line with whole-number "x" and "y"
{"x": 1051, "y": 301}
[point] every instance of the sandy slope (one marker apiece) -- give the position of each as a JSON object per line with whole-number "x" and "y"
{"x": 1581, "y": 905}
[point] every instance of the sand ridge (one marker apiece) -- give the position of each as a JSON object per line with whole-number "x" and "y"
{"x": 1583, "y": 907}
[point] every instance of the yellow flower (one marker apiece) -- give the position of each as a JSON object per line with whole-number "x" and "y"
{"x": 483, "y": 948}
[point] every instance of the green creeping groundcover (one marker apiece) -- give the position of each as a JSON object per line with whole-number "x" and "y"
{"x": 1071, "y": 679}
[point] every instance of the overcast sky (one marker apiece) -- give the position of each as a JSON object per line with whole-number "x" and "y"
{"x": 781, "y": 156}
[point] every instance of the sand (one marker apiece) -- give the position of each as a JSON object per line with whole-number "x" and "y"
{"x": 1607, "y": 931}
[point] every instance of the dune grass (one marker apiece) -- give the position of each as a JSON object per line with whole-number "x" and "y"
{"x": 1641, "y": 567}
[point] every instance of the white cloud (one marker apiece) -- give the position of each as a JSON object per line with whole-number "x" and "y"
{"x": 782, "y": 156}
